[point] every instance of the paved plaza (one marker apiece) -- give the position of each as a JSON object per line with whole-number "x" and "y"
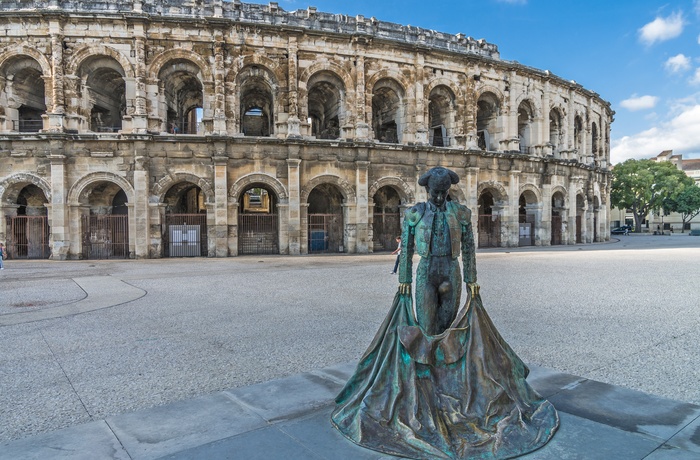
{"x": 150, "y": 358}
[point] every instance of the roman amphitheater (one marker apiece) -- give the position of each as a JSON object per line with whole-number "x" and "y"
{"x": 162, "y": 128}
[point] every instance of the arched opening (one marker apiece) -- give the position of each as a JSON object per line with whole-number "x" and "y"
{"x": 387, "y": 111}
{"x": 23, "y": 99}
{"x": 527, "y": 218}
{"x": 557, "y": 218}
{"x": 325, "y": 105}
{"x": 185, "y": 230}
{"x": 28, "y": 230}
{"x": 556, "y": 133}
{"x": 256, "y": 106}
{"x": 441, "y": 116}
{"x": 105, "y": 221}
{"x": 487, "y": 111}
{"x": 184, "y": 96}
{"x": 258, "y": 221}
{"x": 525, "y": 128}
{"x": 489, "y": 222}
{"x": 325, "y": 219}
{"x": 104, "y": 93}
{"x": 580, "y": 217}
{"x": 386, "y": 219}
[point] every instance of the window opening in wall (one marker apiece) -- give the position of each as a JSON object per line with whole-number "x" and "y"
{"x": 30, "y": 120}
{"x": 487, "y": 111}
{"x": 387, "y": 112}
{"x": 255, "y": 122}
{"x": 325, "y": 105}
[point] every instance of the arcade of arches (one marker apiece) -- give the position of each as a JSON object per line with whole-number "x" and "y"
{"x": 258, "y": 132}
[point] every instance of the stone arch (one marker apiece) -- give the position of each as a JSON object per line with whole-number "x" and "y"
{"x": 327, "y": 66}
{"x": 76, "y": 192}
{"x": 179, "y": 54}
{"x": 162, "y": 186}
{"x": 405, "y": 192}
{"x": 531, "y": 188}
{"x": 23, "y": 50}
{"x": 501, "y": 193}
{"x": 387, "y": 74}
{"x": 258, "y": 178}
{"x": 533, "y": 103}
{"x": 345, "y": 188}
{"x": 443, "y": 81}
{"x": 483, "y": 90}
{"x": 256, "y": 59}
{"x": 88, "y": 52}
{"x": 11, "y": 186}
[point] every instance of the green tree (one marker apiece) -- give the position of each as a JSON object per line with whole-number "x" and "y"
{"x": 643, "y": 186}
{"x": 686, "y": 203}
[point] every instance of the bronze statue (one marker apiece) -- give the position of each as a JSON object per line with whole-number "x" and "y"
{"x": 441, "y": 383}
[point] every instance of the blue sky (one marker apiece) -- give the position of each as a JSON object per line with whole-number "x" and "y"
{"x": 643, "y": 56}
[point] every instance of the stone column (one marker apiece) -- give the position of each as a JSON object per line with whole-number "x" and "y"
{"x": 139, "y": 120}
{"x": 548, "y": 148}
{"x": 294, "y": 220}
{"x": 421, "y": 120}
{"x": 219, "y": 88}
{"x": 471, "y": 189}
{"x": 139, "y": 211}
{"x": 220, "y": 231}
{"x": 293, "y": 122}
{"x": 362, "y": 127}
{"x": 363, "y": 241}
{"x": 53, "y": 119}
{"x": 512, "y": 228}
{"x": 58, "y": 211}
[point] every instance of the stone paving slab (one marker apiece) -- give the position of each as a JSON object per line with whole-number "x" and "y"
{"x": 289, "y": 419}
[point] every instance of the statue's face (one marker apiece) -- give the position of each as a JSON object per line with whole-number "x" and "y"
{"x": 438, "y": 196}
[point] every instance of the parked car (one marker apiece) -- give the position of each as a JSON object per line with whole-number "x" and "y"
{"x": 624, "y": 230}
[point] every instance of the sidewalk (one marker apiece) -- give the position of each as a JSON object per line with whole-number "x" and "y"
{"x": 289, "y": 419}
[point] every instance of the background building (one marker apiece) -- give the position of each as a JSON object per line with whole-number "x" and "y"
{"x": 150, "y": 129}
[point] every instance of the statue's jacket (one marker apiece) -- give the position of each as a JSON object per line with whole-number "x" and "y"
{"x": 416, "y": 237}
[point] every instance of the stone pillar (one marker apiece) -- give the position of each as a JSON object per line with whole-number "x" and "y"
{"x": 220, "y": 231}
{"x": 293, "y": 122}
{"x": 362, "y": 210}
{"x": 548, "y": 148}
{"x": 362, "y": 127}
{"x": 471, "y": 189}
{"x": 294, "y": 221}
{"x": 512, "y": 220}
{"x": 58, "y": 211}
{"x": 139, "y": 120}
{"x": 53, "y": 120}
{"x": 219, "y": 88}
{"x": 420, "y": 117}
{"x": 139, "y": 210}
{"x": 546, "y": 221}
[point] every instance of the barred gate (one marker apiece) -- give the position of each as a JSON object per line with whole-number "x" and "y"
{"x": 489, "y": 231}
{"x": 556, "y": 230}
{"x": 325, "y": 233}
{"x": 28, "y": 237}
{"x": 105, "y": 236}
{"x": 385, "y": 228}
{"x": 185, "y": 235}
{"x": 258, "y": 234}
{"x": 579, "y": 230}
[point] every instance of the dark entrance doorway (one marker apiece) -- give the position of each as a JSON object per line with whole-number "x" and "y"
{"x": 325, "y": 220}
{"x": 258, "y": 222}
{"x": 489, "y": 224}
{"x": 386, "y": 222}
{"x": 28, "y": 231}
{"x": 185, "y": 230}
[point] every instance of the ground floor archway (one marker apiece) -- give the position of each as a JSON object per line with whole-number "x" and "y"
{"x": 325, "y": 220}
{"x": 258, "y": 221}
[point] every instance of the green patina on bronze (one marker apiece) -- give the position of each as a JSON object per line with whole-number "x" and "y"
{"x": 441, "y": 383}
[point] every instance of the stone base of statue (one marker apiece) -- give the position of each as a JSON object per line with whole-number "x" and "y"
{"x": 458, "y": 395}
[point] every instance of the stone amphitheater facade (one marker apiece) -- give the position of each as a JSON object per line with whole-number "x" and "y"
{"x": 164, "y": 128}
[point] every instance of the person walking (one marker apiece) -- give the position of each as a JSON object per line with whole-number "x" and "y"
{"x": 397, "y": 251}
{"x": 3, "y": 255}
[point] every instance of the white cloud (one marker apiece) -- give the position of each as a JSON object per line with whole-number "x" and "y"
{"x": 695, "y": 79}
{"x": 677, "y": 63}
{"x": 680, "y": 134}
{"x": 662, "y": 29}
{"x": 639, "y": 102}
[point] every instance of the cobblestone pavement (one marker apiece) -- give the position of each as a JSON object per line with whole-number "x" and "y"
{"x": 84, "y": 340}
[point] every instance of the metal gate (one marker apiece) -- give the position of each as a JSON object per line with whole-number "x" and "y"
{"x": 326, "y": 233}
{"x": 579, "y": 230}
{"x": 106, "y": 236}
{"x": 28, "y": 237}
{"x": 489, "y": 231}
{"x": 185, "y": 235}
{"x": 258, "y": 234}
{"x": 385, "y": 228}
{"x": 556, "y": 230}
{"x": 525, "y": 234}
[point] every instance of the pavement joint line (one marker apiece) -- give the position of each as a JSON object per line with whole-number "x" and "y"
{"x": 103, "y": 291}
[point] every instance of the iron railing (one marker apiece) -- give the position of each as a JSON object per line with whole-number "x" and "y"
{"x": 27, "y": 126}
{"x": 105, "y": 236}
{"x": 175, "y": 246}
{"x": 325, "y": 233}
{"x": 28, "y": 237}
{"x": 258, "y": 233}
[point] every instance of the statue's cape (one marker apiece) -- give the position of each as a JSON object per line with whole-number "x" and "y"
{"x": 461, "y": 394}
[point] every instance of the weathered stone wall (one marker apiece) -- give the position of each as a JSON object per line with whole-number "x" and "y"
{"x": 182, "y": 82}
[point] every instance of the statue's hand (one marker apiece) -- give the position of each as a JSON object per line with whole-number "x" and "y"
{"x": 405, "y": 288}
{"x": 473, "y": 289}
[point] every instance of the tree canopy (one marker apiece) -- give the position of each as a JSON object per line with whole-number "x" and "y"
{"x": 643, "y": 186}
{"x": 686, "y": 203}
